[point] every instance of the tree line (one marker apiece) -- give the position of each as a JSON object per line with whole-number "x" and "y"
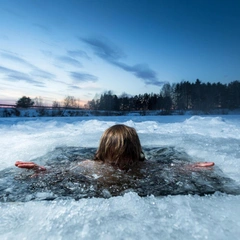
{"x": 27, "y": 102}
{"x": 181, "y": 96}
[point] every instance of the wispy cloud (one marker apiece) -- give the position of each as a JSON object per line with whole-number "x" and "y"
{"x": 142, "y": 71}
{"x": 42, "y": 74}
{"x": 113, "y": 54}
{"x": 69, "y": 60}
{"x": 14, "y": 75}
{"x": 104, "y": 49}
{"x": 78, "y": 53}
{"x": 15, "y": 58}
{"x": 47, "y": 53}
{"x": 14, "y": 13}
{"x": 34, "y": 71}
{"x": 83, "y": 77}
{"x": 42, "y": 28}
{"x": 73, "y": 87}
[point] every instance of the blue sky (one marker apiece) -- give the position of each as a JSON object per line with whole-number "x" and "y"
{"x": 82, "y": 48}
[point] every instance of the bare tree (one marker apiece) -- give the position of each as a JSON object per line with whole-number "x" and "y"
{"x": 70, "y": 102}
{"x": 56, "y": 104}
{"x": 38, "y": 102}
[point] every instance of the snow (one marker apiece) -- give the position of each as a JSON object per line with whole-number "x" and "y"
{"x": 204, "y": 138}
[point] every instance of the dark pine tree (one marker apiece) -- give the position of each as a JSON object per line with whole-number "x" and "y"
{"x": 24, "y": 102}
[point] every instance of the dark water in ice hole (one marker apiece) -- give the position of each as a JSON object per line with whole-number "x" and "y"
{"x": 163, "y": 173}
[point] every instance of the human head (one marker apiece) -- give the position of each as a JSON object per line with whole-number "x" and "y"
{"x": 120, "y": 146}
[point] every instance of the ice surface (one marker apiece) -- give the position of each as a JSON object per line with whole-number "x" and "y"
{"x": 130, "y": 216}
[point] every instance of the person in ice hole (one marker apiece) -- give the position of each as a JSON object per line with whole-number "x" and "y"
{"x": 119, "y": 147}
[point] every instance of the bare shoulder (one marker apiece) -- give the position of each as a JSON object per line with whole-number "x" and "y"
{"x": 89, "y": 167}
{"x": 89, "y": 164}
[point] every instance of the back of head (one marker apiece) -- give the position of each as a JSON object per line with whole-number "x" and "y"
{"x": 120, "y": 146}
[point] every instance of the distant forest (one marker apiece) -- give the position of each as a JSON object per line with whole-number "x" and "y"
{"x": 179, "y": 97}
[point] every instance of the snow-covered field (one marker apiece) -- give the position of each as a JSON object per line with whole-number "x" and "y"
{"x": 206, "y": 138}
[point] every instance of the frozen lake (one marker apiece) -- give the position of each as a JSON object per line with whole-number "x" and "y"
{"x": 206, "y": 138}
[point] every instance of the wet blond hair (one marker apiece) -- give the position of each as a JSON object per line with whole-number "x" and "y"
{"x": 120, "y": 146}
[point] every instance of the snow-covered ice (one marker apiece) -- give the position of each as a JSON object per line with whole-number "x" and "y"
{"x": 204, "y": 138}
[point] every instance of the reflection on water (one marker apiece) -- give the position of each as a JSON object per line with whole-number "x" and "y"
{"x": 165, "y": 172}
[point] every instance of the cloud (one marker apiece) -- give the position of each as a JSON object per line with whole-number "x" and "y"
{"x": 142, "y": 71}
{"x": 15, "y": 58}
{"x": 19, "y": 76}
{"x": 112, "y": 54}
{"x": 104, "y": 49}
{"x": 47, "y": 53}
{"x": 42, "y": 28}
{"x": 73, "y": 87}
{"x": 42, "y": 74}
{"x": 78, "y": 53}
{"x": 83, "y": 77}
{"x": 14, "y": 13}
{"x": 35, "y": 71}
{"x": 69, "y": 60}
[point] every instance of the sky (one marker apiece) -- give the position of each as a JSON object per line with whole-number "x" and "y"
{"x": 52, "y": 49}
